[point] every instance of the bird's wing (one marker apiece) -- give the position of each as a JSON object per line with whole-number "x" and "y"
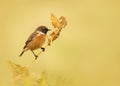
{"x": 30, "y": 38}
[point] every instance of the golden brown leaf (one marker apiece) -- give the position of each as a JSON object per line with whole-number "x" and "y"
{"x": 59, "y": 24}
{"x": 63, "y": 21}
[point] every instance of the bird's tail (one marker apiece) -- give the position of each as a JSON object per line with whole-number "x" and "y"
{"x": 21, "y": 53}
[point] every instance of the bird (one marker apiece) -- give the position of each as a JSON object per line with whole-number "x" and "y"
{"x": 36, "y": 40}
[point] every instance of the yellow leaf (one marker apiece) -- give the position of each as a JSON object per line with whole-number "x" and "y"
{"x": 55, "y": 21}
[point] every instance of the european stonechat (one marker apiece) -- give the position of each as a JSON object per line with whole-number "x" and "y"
{"x": 36, "y": 40}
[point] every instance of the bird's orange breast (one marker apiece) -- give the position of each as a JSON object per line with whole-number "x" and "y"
{"x": 37, "y": 42}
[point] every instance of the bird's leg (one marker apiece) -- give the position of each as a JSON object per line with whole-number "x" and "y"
{"x": 34, "y": 55}
{"x": 43, "y": 49}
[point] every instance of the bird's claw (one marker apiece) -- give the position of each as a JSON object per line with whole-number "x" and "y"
{"x": 43, "y": 49}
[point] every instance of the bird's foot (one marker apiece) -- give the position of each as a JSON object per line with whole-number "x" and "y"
{"x": 43, "y": 49}
{"x": 36, "y": 56}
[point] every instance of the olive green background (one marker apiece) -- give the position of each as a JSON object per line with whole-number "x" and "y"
{"x": 87, "y": 52}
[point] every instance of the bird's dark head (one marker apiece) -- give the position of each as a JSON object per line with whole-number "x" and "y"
{"x": 43, "y": 29}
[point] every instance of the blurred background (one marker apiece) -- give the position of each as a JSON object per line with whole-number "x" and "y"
{"x": 87, "y": 53}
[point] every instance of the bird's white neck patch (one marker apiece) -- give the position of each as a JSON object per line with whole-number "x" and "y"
{"x": 42, "y": 33}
